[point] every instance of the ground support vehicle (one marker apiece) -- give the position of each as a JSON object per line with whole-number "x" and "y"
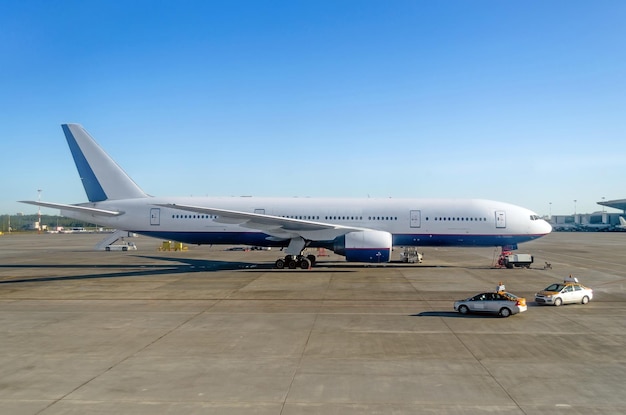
{"x": 510, "y": 260}
{"x": 411, "y": 256}
{"x": 126, "y": 246}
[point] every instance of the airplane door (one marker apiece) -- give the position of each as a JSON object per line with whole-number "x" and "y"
{"x": 416, "y": 218}
{"x": 155, "y": 216}
{"x": 500, "y": 219}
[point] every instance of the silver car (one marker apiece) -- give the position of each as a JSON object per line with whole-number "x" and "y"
{"x": 568, "y": 292}
{"x": 501, "y": 303}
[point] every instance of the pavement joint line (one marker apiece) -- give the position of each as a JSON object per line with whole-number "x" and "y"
{"x": 124, "y": 359}
{"x": 491, "y": 375}
{"x": 304, "y": 348}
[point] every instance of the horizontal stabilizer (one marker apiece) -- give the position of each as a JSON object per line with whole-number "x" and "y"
{"x": 75, "y": 208}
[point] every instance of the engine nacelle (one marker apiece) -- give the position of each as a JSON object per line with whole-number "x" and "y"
{"x": 364, "y": 246}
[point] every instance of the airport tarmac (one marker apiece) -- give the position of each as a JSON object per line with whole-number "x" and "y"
{"x": 209, "y": 331}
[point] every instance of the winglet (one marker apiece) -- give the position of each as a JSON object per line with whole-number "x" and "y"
{"x": 102, "y": 177}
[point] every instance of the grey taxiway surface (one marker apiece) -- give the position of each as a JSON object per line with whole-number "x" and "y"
{"x": 209, "y": 331}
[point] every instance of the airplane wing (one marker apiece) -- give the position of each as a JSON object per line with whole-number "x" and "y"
{"x": 75, "y": 208}
{"x": 276, "y": 226}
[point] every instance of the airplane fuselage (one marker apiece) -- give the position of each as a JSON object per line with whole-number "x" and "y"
{"x": 361, "y": 230}
{"x": 411, "y": 222}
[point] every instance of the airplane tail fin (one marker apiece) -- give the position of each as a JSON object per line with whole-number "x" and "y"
{"x": 102, "y": 177}
{"x": 622, "y": 221}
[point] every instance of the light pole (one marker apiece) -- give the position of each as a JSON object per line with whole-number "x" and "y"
{"x": 39, "y": 211}
{"x": 550, "y": 211}
{"x": 575, "y": 206}
{"x": 602, "y": 205}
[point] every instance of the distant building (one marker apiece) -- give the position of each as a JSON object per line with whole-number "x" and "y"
{"x": 35, "y": 227}
{"x": 597, "y": 221}
{"x": 615, "y": 204}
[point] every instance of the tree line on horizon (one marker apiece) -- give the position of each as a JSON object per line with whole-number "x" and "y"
{"x": 20, "y": 223}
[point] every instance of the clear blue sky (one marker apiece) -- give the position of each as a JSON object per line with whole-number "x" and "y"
{"x": 519, "y": 101}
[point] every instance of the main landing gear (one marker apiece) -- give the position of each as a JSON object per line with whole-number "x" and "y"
{"x": 295, "y": 261}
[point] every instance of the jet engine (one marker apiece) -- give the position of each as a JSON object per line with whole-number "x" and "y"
{"x": 364, "y": 246}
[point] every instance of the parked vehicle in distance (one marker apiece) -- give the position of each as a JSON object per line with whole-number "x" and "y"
{"x": 411, "y": 256}
{"x": 126, "y": 246}
{"x": 501, "y": 303}
{"x": 518, "y": 260}
{"x": 510, "y": 260}
{"x": 570, "y": 291}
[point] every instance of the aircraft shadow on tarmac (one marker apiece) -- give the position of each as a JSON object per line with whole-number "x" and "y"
{"x": 175, "y": 266}
{"x": 190, "y": 265}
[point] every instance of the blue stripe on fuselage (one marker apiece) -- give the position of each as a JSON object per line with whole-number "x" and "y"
{"x": 260, "y": 239}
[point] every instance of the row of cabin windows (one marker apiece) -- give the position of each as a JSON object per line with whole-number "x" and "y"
{"x": 342, "y": 217}
{"x": 296, "y": 217}
{"x": 194, "y": 217}
{"x": 438, "y": 218}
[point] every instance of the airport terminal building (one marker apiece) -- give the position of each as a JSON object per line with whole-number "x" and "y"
{"x": 619, "y": 204}
{"x": 597, "y": 221}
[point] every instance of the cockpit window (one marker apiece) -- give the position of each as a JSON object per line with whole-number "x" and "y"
{"x": 535, "y": 217}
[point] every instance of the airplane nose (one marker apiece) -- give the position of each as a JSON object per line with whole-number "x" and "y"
{"x": 545, "y": 227}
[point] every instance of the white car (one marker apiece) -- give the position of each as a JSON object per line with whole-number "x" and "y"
{"x": 501, "y": 303}
{"x": 567, "y": 292}
{"x": 126, "y": 246}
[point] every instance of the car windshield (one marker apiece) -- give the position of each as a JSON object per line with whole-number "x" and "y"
{"x": 555, "y": 287}
{"x": 493, "y": 296}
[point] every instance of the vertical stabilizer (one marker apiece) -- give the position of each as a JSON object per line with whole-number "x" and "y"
{"x": 102, "y": 177}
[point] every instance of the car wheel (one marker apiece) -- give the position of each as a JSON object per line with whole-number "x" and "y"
{"x": 505, "y": 312}
{"x": 463, "y": 309}
{"x": 558, "y": 302}
{"x": 585, "y": 300}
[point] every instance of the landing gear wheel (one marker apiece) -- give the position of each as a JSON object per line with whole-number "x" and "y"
{"x": 311, "y": 259}
{"x": 291, "y": 264}
{"x": 304, "y": 264}
{"x": 280, "y": 264}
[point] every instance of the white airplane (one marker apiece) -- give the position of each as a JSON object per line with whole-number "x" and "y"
{"x": 362, "y": 230}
